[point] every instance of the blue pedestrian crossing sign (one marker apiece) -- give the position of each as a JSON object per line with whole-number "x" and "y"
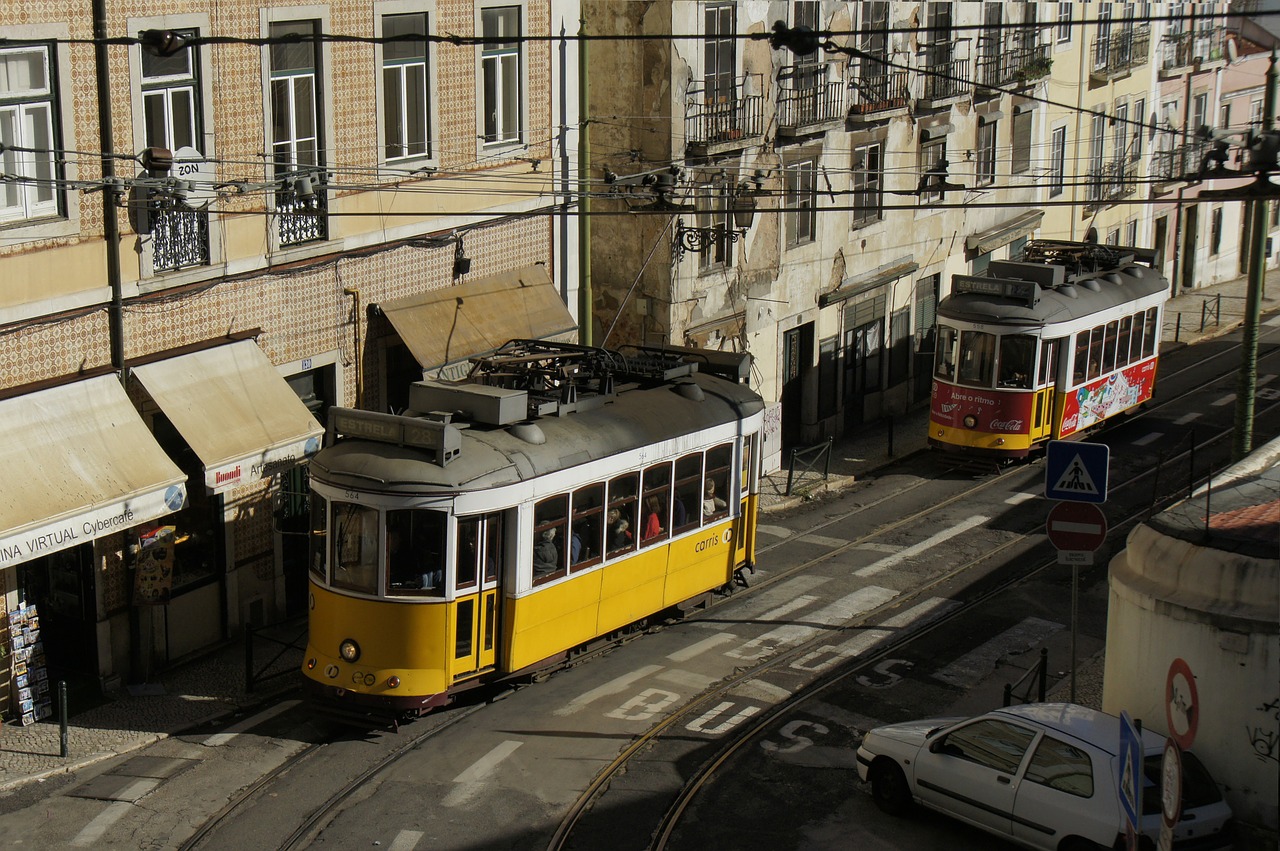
{"x": 1075, "y": 471}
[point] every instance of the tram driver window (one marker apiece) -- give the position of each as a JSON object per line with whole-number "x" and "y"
{"x": 944, "y": 362}
{"x": 416, "y": 553}
{"x": 467, "y": 552}
{"x": 1017, "y": 361}
{"x": 1080, "y": 365}
{"x": 318, "y": 538}
{"x": 715, "y": 491}
{"x": 355, "y": 547}
{"x": 550, "y": 519}
{"x": 977, "y": 358}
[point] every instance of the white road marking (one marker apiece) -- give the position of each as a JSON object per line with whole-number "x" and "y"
{"x": 1186, "y": 418}
{"x": 755, "y": 609}
{"x": 823, "y": 540}
{"x": 774, "y": 531}
{"x": 406, "y": 840}
{"x": 923, "y": 546}
{"x": 249, "y": 723}
{"x": 612, "y": 687}
{"x": 688, "y": 679}
{"x": 970, "y": 668}
{"x": 862, "y": 600}
{"x": 1266, "y": 379}
{"x": 889, "y": 549}
{"x": 470, "y": 780}
{"x": 1275, "y": 320}
{"x": 1019, "y": 498}
{"x": 1148, "y": 438}
{"x": 93, "y": 831}
{"x": 761, "y": 690}
{"x": 697, "y": 649}
{"x": 918, "y": 615}
{"x": 1225, "y": 400}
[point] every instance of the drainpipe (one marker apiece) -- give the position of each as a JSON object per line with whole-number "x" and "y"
{"x": 110, "y": 222}
{"x": 584, "y": 196}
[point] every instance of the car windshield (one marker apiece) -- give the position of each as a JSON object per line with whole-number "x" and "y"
{"x": 1198, "y": 788}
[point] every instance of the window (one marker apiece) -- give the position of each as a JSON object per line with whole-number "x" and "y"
{"x": 986, "y": 169}
{"x": 27, "y": 121}
{"x": 406, "y": 120}
{"x": 656, "y": 511}
{"x": 550, "y": 518}
{"x": 500, "y": 60}
{"x": 1020, "y": 156}
{"x": 868, "y": 184}
{"x": 1139, "y": 131}
{"x": 415, "y": 552}
{"x": 1057, "y": 161}
{"x": 933, "y": 159}
{"x": 688, "y": 485}
{"x": 1215, "y": 232}
{"x": 714, "y": 216}
{"x": 998, "y": 745}
{"x": 295, "y": 127}
{"x": 1017, "y": 360}
{"x": 623, "y": 512}
{"x": 719, "y": 57}
{"x": 1131, "y": 232}
{"x": 801, "y": 201}
{"x": 899, "y": 346}
{"x": 1122, "y": 132}
{"x": 944, "y": 365}
{"x": 355, "y": 547}
{"x": 1062, "y": 34}
{"x": 977, "y": 358}
{"x": 586, "y": 537}
{"x": 715, "y": 490}
{"x": 1061, "y": 766}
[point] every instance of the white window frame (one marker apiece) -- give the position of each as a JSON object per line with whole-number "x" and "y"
{"x": 1062, "y": 28}
{"x": 985, "y": 152}
{"x": 29, "y": 113}
{"x": 507, "y": 137}
{"x": 381, "y": 11}
{"x": 1057, "y": 161}
{"x": 800, "y": 179}
{"x": 868, "y": 184}
{"x": 1020, "y": 155}
{"x": 927, "y": 162}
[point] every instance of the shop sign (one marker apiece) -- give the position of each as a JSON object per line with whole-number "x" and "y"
{"x": 263, "y": 465}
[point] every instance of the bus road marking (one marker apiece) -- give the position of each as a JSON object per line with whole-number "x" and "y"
{"x": 1148, "y": 438}
{"x": 697, "y": 649}
{"x": 1266, "y": 379}
{"x": 1229, "y": 399}
{"x": 612, "y": 687}
{"x": 923, "y": 546}
{"x": 1273, "y": 321}
{"x": 916, "y": 616}
{"x": 775, "y": 531}
{"x": 1186, "y": 418}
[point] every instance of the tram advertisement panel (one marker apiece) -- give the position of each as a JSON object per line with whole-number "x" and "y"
{"x": 996, "y": 411}
{"x": 1090, "y": 404}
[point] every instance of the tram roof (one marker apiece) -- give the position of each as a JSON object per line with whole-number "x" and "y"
{"x": 493, "y": 455}
{"x": 1078, "y": 299}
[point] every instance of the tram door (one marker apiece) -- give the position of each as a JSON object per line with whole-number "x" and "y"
{"x": 1046, "y": 374}
{"x": 477, "y": 558}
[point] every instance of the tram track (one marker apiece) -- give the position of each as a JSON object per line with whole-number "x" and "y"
{"x": 744, "y": 734}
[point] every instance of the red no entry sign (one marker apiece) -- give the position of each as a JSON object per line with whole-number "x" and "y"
{"x": 1076, "y": 526}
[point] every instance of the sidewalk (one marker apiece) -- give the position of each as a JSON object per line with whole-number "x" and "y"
{"x": 213, "y": 686}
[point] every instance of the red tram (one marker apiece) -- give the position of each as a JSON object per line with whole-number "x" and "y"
{"x": 1044, "y": 348}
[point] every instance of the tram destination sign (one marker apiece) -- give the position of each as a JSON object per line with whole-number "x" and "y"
{"x": 1024, "y": 291}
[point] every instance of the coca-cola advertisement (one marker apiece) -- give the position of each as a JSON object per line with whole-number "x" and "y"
{"x": 998, "y": 411}
{"x": 1090, "y": 404}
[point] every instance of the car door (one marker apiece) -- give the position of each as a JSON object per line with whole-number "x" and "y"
{"x": 1064, "y": 791}
{"x": 970, "y": 771}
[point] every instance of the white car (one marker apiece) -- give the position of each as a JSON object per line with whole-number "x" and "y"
{"x": 1043, "y": 776}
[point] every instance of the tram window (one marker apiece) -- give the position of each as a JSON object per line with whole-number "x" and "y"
{"x": 656, "y": 512}
{"x": 1095, "y": 352}
{"x": 715, "y": 492}
{"x": 977, "y": 358}
{"x": 355, "y": 547}
{"x": 318, "y": 540}
{"x": 416, "y": 552}
{"x": 623, "y": 510}
{"x": 550, "y": 516}
{"x": 1017, "y": 360}
{"x": 1080, "y": 366}
{"x": 1136, "y": 341}
{"x": 1150, "y": 333}
{"x": 944, "y": 359}
{"x": 747, "y": 443}
{"x": 684, "y": 513}
{"x": 1123, "y": 357}
{"x": 1109, "y": 346}
{"x": 1048, "y": 361}
{"x": 493, "y": 541}
{"x": 467, "y": 556}
{"x": 586, "y": 535}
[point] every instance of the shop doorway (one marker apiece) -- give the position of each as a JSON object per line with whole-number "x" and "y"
{"x": 62, "y": 589}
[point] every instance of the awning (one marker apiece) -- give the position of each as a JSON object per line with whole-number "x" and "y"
{"x": 234, "y": 410}
{"x": 447, "y": 326}
{"x": 878, "y": 277}
{"x": 79, "y": 463}
{"x": 1001, "y": 235}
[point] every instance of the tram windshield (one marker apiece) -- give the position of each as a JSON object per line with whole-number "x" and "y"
{"x": 415, "y": 552}
{"x": 1017, "y": 361}
{"x": 944, "y": 360}
{"x": 355, "y": 547}
{"x": 977, "y": 359}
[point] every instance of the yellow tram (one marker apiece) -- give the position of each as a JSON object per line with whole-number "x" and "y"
{"x": 557, "y": 496}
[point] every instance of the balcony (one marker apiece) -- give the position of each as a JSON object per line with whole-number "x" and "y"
{"x": 875, "y": 89}
{"x": 719, "y": 116}
{"x": 1176, "y": 163}
{"x": 809, "y": 100}
{"x": 302, "y": 209}
{"x": 1116, "y": 54}
{"x": 1029, "y": 62}
{"x": 1113, "y": 181}
{"x": 1176, "y": 54}
{"x": 179, "y": 237}
{"x": 946, "y": 79}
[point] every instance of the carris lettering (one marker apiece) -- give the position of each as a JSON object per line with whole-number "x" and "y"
{"x": 707, "y": 543}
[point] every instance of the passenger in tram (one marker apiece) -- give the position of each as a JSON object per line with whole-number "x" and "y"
{"x": 546, "y": 555}
{"x": 576, "y": 550}
{"x": 711, "y": 504}
{"x": 619, "y": 530}
{"x": 679, "y": 514}
{"x": 652, "y": 518}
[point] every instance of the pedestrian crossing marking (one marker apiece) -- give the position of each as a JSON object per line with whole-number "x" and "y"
{"x": 1076, "y": 479}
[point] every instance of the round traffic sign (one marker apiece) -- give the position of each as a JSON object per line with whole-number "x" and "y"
{"x": 1171, "y": 783}
{"x": 1181, "y": 703}
{"x": 1076, "y": 526}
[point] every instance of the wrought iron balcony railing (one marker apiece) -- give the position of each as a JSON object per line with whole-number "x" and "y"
{"x": 807, "y": 97}
{"x": 179, "y": 237}
{"x": 875, "y": 87}
{"x": 946, "y": 79}
{"x": 718, "y": 113}
{"x": 1113, "y": 181}
{"x": 302, "y": 208}
{"x": 1172, "y": 163}
{"x": 1121, "y": 51}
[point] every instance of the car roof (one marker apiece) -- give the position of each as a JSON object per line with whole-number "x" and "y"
{"x": 1097, "y": 728}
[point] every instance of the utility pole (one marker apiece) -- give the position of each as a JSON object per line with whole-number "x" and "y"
{"x": 1248, "y": 380}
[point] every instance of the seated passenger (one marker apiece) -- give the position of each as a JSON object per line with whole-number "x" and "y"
{"x": 711, "y": 504}
{"x": 619, "y": 530}
{"x": 546, "y": 555}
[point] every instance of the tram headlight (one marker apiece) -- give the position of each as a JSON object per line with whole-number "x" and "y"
{"x": 393, "y": 682}
{"x": 349, "y": 650}
{"x": 970, "y": 421}
{"x": 311, "y": 664}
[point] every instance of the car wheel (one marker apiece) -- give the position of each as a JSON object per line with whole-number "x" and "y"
{"x": 889, "y": 787}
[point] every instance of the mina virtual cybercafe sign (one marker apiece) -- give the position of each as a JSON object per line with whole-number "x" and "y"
{"x": 261, "y": 465}
{"x": 67, "y": 532}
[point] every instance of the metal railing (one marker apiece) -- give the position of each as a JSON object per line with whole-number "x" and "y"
{"x": 946, "y": 79}
{"x": 303, "y": 219}
{"x": 1181, "y": 162}
{"x": 1210, "y": 314}
{"x": 807, "y": 97}
{"x": 877, "y": 88}
{"x": 179, "y": 237}
{"x": 254, "y": 676}
{"x": 1121, "y": 50}
{"x": 718, "y": 112}
{"x": 1037, "y": 675}
{"x": 807, "y": 460}
{"x": 1112, "y": 181}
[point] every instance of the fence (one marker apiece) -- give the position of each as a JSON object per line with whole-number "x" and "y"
{"x": 808, "y": 459}
{"x": 254, "y": 676}
{"x": 1036, "y": 675}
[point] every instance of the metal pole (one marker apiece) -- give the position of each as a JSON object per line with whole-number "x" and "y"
{"x": 248, "y": 659}
{"x": 585, "y": 318}
{"x": 110, "y": 222}
{"x": 62, "y": 718}
{"x": 1075, "y": 627}
{"x": 1247, "y": 383}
